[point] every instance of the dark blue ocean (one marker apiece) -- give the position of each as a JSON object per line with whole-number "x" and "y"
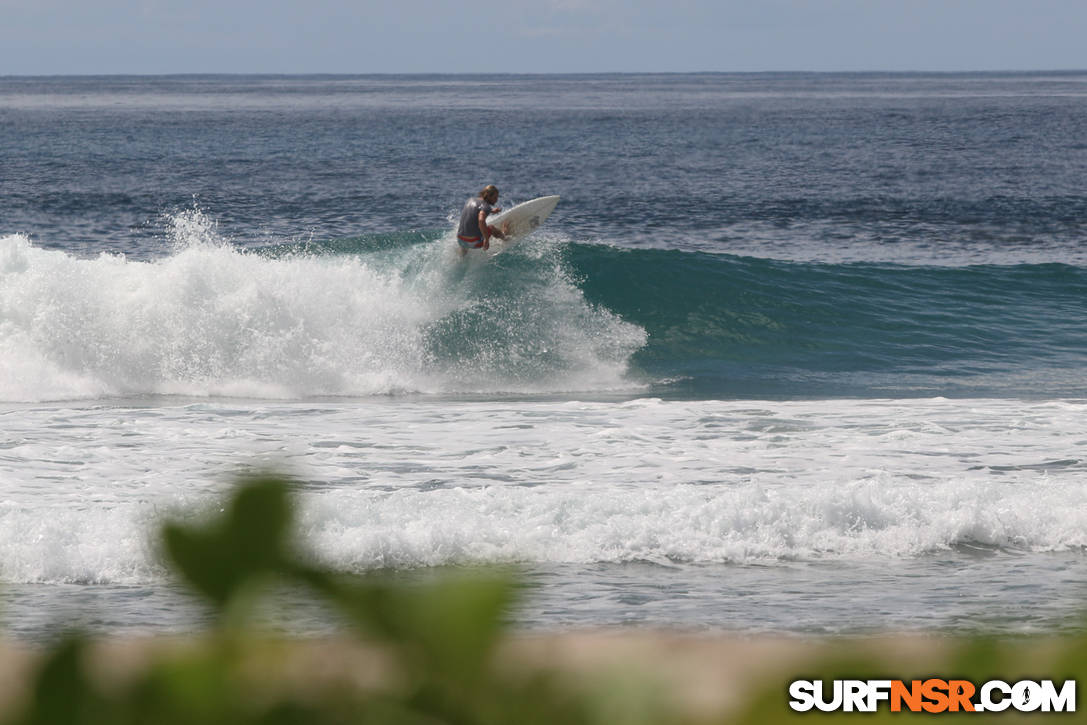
{"x": 793, "y": 352}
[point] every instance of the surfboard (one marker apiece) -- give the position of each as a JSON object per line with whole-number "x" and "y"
{"x": 519, "y": 221}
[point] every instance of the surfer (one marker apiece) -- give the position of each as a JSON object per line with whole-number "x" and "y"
{"x": 473, "y": 232}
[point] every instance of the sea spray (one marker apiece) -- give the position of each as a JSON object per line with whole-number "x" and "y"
{"x": 212, "y": 319}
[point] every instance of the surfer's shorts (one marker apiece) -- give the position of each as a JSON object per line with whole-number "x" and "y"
{"x": 470, "y": 242}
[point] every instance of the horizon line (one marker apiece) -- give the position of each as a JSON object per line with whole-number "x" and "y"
{"x": 343, "y": 74}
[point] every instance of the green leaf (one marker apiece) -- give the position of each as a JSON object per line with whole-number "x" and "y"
{"x": 248, "y": 542}
{"x": 62, "y": 692}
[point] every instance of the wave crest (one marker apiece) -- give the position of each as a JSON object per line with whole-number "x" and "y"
{"x": 210, "y": 319}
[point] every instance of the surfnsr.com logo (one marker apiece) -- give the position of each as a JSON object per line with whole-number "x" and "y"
{"x": 932, "y": 696}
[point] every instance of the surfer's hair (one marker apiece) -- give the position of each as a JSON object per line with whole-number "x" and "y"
{"x": 488, "y": 190}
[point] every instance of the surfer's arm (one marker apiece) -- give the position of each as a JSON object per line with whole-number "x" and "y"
{"x": 488, "y": 230}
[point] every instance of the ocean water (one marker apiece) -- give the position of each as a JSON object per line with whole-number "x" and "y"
{"x": 796, "y": 353}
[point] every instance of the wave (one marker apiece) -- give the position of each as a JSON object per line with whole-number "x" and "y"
{"x": 741, "y": 324}
{"x": 402, "y": 313}
{"x": 360, "y": 530}
{"x": 210, "y": 319}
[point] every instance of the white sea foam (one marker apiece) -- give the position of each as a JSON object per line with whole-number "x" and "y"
{"x": 402, "y": 483}
{"x": 209, "y": 319}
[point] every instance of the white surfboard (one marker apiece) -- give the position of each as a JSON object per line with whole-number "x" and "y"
{"x": 519, "y": 221}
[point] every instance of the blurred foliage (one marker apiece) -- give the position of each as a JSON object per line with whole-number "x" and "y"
{"x": 433, "y": 647}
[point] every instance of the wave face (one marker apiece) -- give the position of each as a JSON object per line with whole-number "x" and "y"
{"x": 210, "y": 319}
{"x": 742, "y": 326}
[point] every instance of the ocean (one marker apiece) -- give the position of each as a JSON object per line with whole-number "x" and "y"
{"x": 797, "y": 354}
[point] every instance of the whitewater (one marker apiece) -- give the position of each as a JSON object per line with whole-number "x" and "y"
{"x": 687, "y": 502}
{"x": 210, "y": 319}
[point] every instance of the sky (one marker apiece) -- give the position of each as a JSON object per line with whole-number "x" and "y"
{"x": 47, "y": 37}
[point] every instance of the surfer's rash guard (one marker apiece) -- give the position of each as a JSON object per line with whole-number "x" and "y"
{"x": 469, "y": 230}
